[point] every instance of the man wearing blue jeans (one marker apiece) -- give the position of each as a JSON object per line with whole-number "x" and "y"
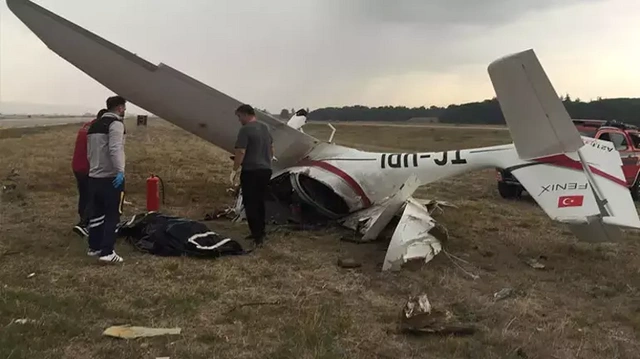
{"x": 105, "y": 150}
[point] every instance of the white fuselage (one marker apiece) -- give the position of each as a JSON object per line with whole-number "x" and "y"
{"x": 364, "y": 178}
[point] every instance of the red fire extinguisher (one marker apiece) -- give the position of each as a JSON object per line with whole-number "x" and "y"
{"x": 153, "y": 193}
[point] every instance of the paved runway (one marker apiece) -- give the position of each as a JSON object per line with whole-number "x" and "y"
{"x": 40, "y": 121}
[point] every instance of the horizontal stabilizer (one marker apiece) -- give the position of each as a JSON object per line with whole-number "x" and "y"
{"x": 584, "y": 189}
{"x": 627, "y": 223}
{"x": 596, "y": 232}
{"x": 537, "y": 119}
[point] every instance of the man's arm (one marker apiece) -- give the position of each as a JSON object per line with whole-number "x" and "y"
{"x": 273, "y": 151}
{"x": 239, "y": 156}
{"x": 116, "y": 145}
{"x": 240, "y": 147}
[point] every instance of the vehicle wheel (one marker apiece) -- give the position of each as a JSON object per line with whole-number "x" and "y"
{"x": 508, "y": 190}
{"x": 635, "y": 191}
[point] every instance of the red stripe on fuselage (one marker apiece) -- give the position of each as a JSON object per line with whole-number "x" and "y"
{"x": 567, "y": 162}
{"x": 340, "y": 173}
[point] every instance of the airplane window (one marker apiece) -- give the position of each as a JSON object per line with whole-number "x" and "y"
{"x": 619, "y": 141}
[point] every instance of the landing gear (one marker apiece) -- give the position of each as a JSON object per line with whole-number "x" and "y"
{"x": 635, "y": 190}
{"x": 509, "y": 191}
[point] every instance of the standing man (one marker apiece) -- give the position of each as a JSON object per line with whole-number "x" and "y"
{"x": 80, "y": 167}
{"x": 106, "y": 179}
{"x": 253, "y": 151}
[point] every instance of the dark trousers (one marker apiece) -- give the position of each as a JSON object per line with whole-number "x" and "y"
{"x": 82, "y": 181}
{"x": 106, "y": 208}
{"x": 254, "y": 187}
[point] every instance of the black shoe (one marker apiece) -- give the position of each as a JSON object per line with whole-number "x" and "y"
{"x": 81, "y": 230}
{"x": 260, "y": 240}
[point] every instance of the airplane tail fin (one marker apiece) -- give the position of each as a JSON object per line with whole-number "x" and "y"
{"x": 574, "y": 183}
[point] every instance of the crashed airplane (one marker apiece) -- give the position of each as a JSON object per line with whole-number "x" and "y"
{"x": 364, "y": 190}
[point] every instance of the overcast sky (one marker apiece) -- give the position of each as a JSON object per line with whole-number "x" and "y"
{"x": 316, "y": 53}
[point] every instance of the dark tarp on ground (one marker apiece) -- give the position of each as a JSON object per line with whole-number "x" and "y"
{"x": 165, "y": 235}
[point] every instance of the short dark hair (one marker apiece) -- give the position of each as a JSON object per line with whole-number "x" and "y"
{"x": 101, "y": 112}
{"x": 246, "y": 109}
{"x": 115, "y": 101}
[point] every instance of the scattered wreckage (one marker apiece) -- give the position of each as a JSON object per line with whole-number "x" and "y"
{"x": 366, "y": 190}
{"x": 417, "y": 234}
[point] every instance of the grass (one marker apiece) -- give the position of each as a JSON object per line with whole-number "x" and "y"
{"x": 583, "y": 305}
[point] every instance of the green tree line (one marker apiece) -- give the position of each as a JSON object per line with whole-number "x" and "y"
{"x": 485, "y": 112}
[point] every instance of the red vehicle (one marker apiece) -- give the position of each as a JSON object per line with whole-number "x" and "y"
{"x": 624, "y": 138}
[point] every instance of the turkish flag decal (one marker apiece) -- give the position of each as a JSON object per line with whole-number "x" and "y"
{"x": 570, "y": 201}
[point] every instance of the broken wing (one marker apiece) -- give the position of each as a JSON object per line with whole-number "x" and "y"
{"x": 161, "y": 90}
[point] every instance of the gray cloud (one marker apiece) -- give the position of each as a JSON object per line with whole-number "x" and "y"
{"x": 287, "y": 52}
{"x": 450, "y": 13}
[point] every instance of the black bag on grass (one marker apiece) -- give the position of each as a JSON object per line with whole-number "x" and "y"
{"x": 164, "y": 235}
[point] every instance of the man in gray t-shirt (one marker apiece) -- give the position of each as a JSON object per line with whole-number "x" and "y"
{"x": 253, "y": 151}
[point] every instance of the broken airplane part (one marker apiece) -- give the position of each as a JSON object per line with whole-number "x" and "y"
{"x": 366, "y": 190}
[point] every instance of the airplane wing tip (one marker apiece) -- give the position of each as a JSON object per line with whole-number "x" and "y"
{"x": 12, "y": 4}
{"x": 514, "y": 55}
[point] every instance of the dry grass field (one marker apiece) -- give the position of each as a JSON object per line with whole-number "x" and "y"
{"x": 583, "y": 304}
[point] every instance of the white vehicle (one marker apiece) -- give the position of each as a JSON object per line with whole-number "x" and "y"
{"x": 580, "y": 185}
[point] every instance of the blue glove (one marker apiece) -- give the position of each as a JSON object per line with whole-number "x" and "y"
{"x": 117, "y": 182}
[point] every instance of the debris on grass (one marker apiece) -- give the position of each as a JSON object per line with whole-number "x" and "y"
{"x": 559, "y": 318}
{"x": 420, "y": 318}
{"x": 503, "y": 293}
{"x": 22, "y": 321}
{"x": 348, "y": 263}
{"x": 534, "y": 263}
{"x": 417, "y": 305}
{"x": 452, "y": 257}
{"x": 131, "y": 332}
{"x": 11, "y": 188}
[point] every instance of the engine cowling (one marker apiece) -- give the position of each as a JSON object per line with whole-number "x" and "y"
{"x": 330, "y": 191}
{"x": 326, "y": 189}
{"x": 319, "y": 195}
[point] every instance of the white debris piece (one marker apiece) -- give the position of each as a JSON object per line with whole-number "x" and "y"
{"x": 132, "y": 332}
{"x": 418, "y": 317}
{"x": 433, "y": 205}
{"x": 503, "y": 293}
{"x": 23, "y": 321}
{"x": 417, "y": 305}
{"x": 238, "y": 209}
{"x": 411, "y": 239}
{"x": 372, "y": 221}
{"x": 297, "y": 121}
{"x": 533, "y": 263}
